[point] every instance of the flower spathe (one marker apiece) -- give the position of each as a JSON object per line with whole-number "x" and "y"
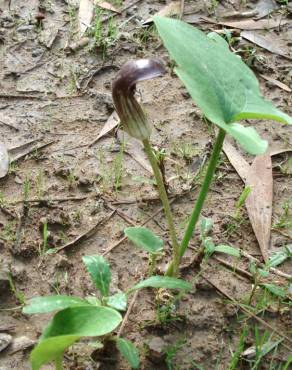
{"x": 131, "y": 114}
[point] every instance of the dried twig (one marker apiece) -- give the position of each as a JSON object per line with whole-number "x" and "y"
{"x": 234, "y": 268}
{"x": 87, "y": 234}
{"x": 271, "y": 269}
{"x": 244, "y": 309}
{"x": 50, "y": 200}
{"x": 125, "y": 319}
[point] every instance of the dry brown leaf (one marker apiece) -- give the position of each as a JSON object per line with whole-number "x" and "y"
{"x": 280, "y": 84}
{"x": 107, "y": 6}
{"x": 266, "y": 42}
{"x": 252, "y": 24}
{"x": 135, "y": 150}
{"x": 265, "y": 7}
{"x": 85, "y": 14}
{"x": 259, "y": 202}
{"x": 276, "y": 151}
{"x": 236, "y": 159}
{"x": 4, "y": 160}
{"x": 170, "y": 10}
{"x": 112, "y": 122}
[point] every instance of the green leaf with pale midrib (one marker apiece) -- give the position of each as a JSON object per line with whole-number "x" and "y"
{"x": 52, "y": 303}
{"x": 145, "y": 239}
{"x": 162, "y": 282}
{"x": 49, "y": 349}
{"x": 68, "y": 326}
{"x": 83, "y": 321}
{"x": 129, "y": 351}
{"x": 220, "y": 83}
{"x": 99, "y": 271}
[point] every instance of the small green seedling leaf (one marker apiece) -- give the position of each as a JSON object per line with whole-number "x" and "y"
{"x": 243, "y": 196}
{"x": 280, "y": 256}
{"x": 50, "y": 349}
{"x": 162, "y": 282}
{"x": 99, "y": 271}
{"x": 206, "y": 226}
{"x": 94, "y": 301}
{"x": 129, "y": 351}
{"x": 52, "y": 303}
{"x": 209, "y": 246}
{"x": 221, "y": 248}
{"x": 117, "y": 301}
{"x": 145, "y": 239}
{"x": 83, "y": 321}
{"x": 276, "y": 290}
{"x": 220, "y": 83}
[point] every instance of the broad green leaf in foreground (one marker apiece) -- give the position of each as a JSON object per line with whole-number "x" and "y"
{"x": 129, "y": 351}
{"x": 144, "y": 238}
{"x": 49, "y": 349}
{"x": 83, "y": 321}
{"x": 68, "y": 326}
{"x": 99, "y": 271}
{"x": 52, "y": 303}
{"x": 162, "y": 282}
{"x": 219, "y": 82}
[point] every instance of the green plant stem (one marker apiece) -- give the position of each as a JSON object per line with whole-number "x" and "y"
{"x": 58, "y": 363}
{"x": 165, "y": 203}
{"x": 201, "y": 199}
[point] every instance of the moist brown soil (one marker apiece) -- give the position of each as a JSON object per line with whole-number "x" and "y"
{"x": 62, "y": 98}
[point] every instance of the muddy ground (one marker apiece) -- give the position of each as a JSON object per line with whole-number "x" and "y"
{"x": 55, "y": 95}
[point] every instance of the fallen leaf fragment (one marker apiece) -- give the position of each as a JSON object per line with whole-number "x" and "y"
{"x": 265, "y": 42}
{"x": 135, "y": 150}
{"x": 236, "y": 159}
{"x": 85, "y": 15}
{"x": 265, "y": 7}
{"x": 107, "y": 6}
{"x": 4, "y": 160}
{"x": 170, "y": 10}
{"x": 280, "y": 84}
{"x": 252, "y": 24}
{"x": 5, "y": 340}
{"x": 112, "y": 122}
{"x": 259, "y": 202}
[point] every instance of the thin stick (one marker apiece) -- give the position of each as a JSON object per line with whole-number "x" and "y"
{"x": 238, "y": 270}
{"x": 272, "y": 269}
{"x": 164, "y": 199}
{"x": 125, "y": 319}
{"x": 48, "y": 200}
{"x": 87, "y": 234}
{"x": 234, "y": 302}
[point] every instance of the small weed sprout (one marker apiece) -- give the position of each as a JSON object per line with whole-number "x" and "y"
{"x": 92, "y": 316}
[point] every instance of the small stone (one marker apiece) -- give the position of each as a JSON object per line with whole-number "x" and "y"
{"x": 156, "y": 348}
{"x": 5, "y": 340}
{"x": 21, "y": 344}
{"x": 37, "y": 52}
{"x": 25, "y": 28}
